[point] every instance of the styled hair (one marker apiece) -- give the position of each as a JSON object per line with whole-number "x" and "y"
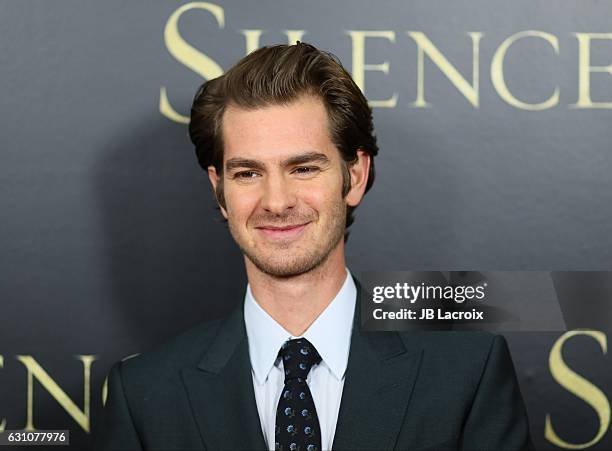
{"x": 279, "y": 75}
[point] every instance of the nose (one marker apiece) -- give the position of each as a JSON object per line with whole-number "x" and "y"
{"x": 278, "y": 195}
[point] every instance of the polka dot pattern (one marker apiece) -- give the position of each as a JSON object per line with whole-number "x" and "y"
{"x": 297, "y": 423}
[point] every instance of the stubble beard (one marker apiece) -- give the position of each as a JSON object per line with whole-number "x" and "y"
{"x": 287, "y": 263}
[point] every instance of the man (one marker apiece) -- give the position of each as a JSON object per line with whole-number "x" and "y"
{"x": 287, "y": 140}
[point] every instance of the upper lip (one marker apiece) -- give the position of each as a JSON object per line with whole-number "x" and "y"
{"x": 283, "y": 227}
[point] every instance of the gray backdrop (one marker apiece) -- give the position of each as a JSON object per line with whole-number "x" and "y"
{"x": 110, "y": 238}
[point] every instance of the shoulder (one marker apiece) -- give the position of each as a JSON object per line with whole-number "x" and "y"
{"x": 464, "y": 352}
{"x": 454, "y": 367}
{"x": 165, "y": 360}
{"x": 148, "y": 390}
{"x": 451, "y": 341}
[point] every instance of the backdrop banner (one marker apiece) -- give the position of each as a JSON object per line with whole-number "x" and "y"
{"x": 493, "y": 120}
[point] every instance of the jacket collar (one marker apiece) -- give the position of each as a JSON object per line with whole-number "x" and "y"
{"x": 381, "y": 373}
{"x": 220, "y": 391}
{"x": 330, "y": 332}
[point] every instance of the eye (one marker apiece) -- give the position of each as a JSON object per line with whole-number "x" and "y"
{"x": 245, "y": 175}
{"x": 306, "y": 170}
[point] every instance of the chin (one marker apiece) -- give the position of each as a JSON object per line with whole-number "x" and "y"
{"x": 284, "y": 268}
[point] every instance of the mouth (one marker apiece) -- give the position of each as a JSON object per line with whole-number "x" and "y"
{"x": 283, "y": 232}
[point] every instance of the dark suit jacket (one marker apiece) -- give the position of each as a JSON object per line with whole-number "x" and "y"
{"x": 409, "y": 390}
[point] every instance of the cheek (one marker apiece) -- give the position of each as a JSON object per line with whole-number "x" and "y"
{"x": 321, "y": 198}
{"x": 240, "y": 204}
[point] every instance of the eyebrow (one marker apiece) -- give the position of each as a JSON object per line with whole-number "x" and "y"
{"x": 308, "y": 157}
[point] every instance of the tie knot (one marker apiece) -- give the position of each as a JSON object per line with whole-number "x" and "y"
{"x": 299, "y": 356}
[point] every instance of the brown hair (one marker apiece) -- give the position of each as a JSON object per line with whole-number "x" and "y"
{"x": 280, "y": 74}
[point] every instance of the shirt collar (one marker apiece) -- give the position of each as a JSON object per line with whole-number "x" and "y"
{"x": 330, "y": 333}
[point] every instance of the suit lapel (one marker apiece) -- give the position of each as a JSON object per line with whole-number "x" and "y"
{"x": 380, "y": 377}
{"x": 379, "y": 380}
{"x": 221, "y": 392}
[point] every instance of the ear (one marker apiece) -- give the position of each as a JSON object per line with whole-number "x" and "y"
{"x": 359, "y": 172}
{"x": 215, "y": 179}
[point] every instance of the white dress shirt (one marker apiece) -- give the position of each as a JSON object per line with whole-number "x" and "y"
{"x": 330, "y": 334}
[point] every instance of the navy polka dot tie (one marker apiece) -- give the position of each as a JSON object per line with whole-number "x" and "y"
{"x": 297, "y": 423}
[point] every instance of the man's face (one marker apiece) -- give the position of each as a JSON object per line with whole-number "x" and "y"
{"x": 282, "y": 185}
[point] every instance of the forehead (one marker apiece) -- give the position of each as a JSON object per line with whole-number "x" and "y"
{"x": 277, "y": 131}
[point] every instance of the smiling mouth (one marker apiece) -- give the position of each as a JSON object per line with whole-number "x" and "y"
{"x": 282, "y": 232}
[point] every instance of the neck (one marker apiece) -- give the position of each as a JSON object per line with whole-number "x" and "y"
{"x": 295, "y": 302}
